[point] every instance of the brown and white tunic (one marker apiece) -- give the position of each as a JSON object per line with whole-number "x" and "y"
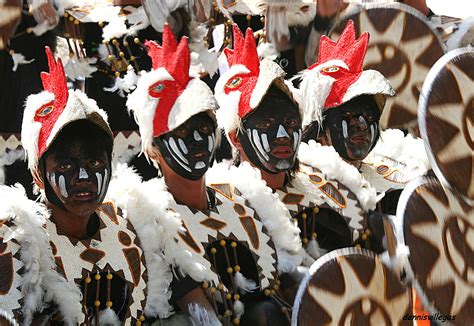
{"x": 109, "y": 267}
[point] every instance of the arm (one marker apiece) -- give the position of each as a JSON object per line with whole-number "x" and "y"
{"x": 196, "y": 305}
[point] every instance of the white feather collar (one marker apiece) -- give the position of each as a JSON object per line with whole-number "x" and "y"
{"x": 328, "y": 161}
{"x": 41, "y": 282}
{"x": 272, "y": 212}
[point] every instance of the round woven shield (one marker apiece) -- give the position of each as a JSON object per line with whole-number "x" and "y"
{"x": 438, "y": 228}
{"x": 403, "y": 47}
{"x": 446, "y": 119}
{"x": 10, "y": 15}
{"x": 351, "y": 287}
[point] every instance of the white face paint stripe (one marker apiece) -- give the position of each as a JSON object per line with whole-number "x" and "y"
{"x": 62, "y": 186}
{"x": 265, "y": 143}
{"x": 200, "y": 165}
{"x": 372, "y": 134}
{"x": 344, "y": 129}
{"x": 210, "y": 145}
{"x": 176, "y": 150}
{"x": 256, "y": 141}
{"x": 299, "y": 141}
{"x": 52, "y": 179}
{"x": 104, "y": 182}
{"x": 282, "y": 132}
{"x": 182, "y": 145}
{"x": 99, "y": 182}
{"x": 197, "y": 135}
{"x": 296, "y": 139}
{"x": 83, "y": 174}
{"x": 175, "y": 158}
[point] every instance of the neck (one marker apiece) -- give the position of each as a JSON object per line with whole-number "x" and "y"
{"x": 72, "y": 225}
{"x": 191, "y": 193}
{"x": 274, "y": 181}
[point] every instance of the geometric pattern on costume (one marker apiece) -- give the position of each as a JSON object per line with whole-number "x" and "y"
{"x": 351, "y": 287}
{"x": 311, "y": 189}
{"x": 26, "y": 248}
{"x": 10, "y": 276}
{"x": 403, "y": 47}
{"x": 115, "y": 250}
{"x": 230, "y": 221}
{"x": 438, "y": 228}
{"x": 446, "y": 119}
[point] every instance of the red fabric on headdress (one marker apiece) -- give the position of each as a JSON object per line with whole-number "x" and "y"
{"x": 175, "y": 58}
{"x": 245, "y": 54}
{"x": 54, "y": 82}
{"x": 352, "y": 52}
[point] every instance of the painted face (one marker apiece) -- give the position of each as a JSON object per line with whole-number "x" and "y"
{"x": 272, "y": 132}
{"x": 354, "y": 127}
{"x": 78, "y": 176}
{"x": 189, "y": 149}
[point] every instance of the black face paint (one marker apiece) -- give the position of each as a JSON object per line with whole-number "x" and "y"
{"x": 272, "y": 133}
{"x": 189, "y": 149}
{"x": 77, "y": 177}
{"x": 353, "y": 127}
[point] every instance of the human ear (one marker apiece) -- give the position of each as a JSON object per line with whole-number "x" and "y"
{"x": 234, "y": 139}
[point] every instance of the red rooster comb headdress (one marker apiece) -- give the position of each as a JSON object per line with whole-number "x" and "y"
{"x": 337, "y": 76}
{"x": 241, "y": 89}
{"x": 48, "y": 112}
{"x": 167, "y": 96}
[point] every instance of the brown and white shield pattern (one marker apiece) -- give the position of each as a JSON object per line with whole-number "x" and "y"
{"x": 351, "y": 287}
{"x": 438, "y": 228}
{"x": 403, "y": 47}
{"x": 446, "y": 119}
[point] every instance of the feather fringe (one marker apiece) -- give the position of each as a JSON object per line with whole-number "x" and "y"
{"x": 126, "y": 191}
{"x": 124, "y": 85}
{"x": 41, "y": 282}
{"x": 274, "y": 215}
{"x": 108, "y": 317}
{"x": 314, "y": 250}
{"x": 328, "y": 161}
{"x": 239, "y": 308}
{"x": 244, "y": 284}
{"x": 19, "y": 59}
{"x": 200, "y": 316}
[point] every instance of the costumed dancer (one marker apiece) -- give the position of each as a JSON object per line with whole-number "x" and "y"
{"x": 263, "y": 122}
{"x": 343, "y": 105}
{"x": 228, "y": 272}
{"x": 81, "y": 261}
{"x": 106, "y": 53}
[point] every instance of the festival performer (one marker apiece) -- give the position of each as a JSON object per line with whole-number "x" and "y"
{"x": 343, "y": 105}
{"x": 74, "y": 258}
{"x": 229, "y": 272}
{"x": 263, "y": 122}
